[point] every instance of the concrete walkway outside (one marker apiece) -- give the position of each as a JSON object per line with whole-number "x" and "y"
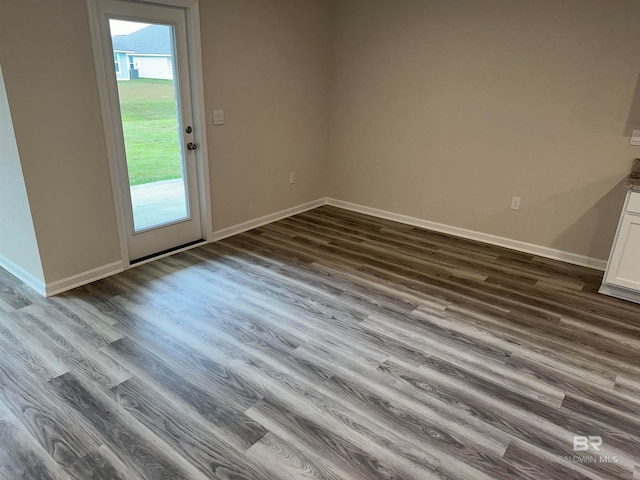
{"x": 157, "y": 203}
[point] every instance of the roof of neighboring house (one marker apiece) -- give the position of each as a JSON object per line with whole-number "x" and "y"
{"x": 118, "y": 46}
{"x": 151, "y": 40}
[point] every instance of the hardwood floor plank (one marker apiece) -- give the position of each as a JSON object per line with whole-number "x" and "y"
{"x": 101, "y": 464}
{"x": 151, "y": 326}
{"x": 71, "y": 349}
{"x": 535, "y": 464}
{"x": 628, "y": 386}
{"x": 417, "y": 428}
{"x": 515, "y": 345}
{"x": 190, "y": 437}
{"x": 465, "y": 337}
{"x": 198, "y": 364}
{"x": 137, "y": 447}
{"x": 430, "y": 412}
{"x": 57, "y": 428}
{"x": 573, "y": 384}
{"x": 603, "y": 414}
{"x": 544, "y": 339}
{"x": 213, "y": 407}
{"x": 416, "y": 246}
{"x": 359, "y": 462}
{"x": 489, "y": 368}
{"x": 542, "y": 426}
{"x": 283, "y": 459}
{"x": 287, "y": 385}
{"x": 21, "y": 457}
{"x": 26, "y": 352}
{"x": 327, "y": 345}
{"x": 84, "y": 319}
{"x": 14, "y": 294}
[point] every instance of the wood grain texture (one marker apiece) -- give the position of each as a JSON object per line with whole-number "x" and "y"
{"x": 328, "y": 345}
{"x": 20, "y": 456}
{"x": 102, "y": 464}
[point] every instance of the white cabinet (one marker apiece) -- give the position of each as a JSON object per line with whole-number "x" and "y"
{"x": 624, "y": 266}
{"x": 622, "y": 278}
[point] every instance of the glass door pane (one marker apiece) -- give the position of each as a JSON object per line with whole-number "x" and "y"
{"x": 144, "y": 59}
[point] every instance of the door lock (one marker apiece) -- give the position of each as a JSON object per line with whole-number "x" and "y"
{"x": 189, "y": 129}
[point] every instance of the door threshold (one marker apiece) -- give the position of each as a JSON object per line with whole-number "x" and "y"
{"x": 167, "y": 252}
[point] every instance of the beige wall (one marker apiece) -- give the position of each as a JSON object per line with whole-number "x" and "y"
{"x": 266, "y": 64}
{"x": 443, "y": 110}
{"x": 437, "y": 109}
{"x": 45, "y": 53}
{"x": 18, "y": 243}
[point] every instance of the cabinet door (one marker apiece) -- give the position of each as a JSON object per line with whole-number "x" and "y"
{"x": 624, "y": 269}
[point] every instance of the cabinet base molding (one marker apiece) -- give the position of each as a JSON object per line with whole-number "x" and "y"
{"x": 622, "y": 276}
{"x": 619, "y": 292}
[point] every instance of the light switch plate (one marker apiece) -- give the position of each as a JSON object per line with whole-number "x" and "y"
{"x": 635, "y": 138}
{"x": 218, "y": 117}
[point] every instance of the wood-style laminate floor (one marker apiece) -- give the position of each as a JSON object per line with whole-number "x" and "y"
{"x": 329, "y": 345}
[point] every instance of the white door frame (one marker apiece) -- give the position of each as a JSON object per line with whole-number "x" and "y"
{"x": 192, "y": 11}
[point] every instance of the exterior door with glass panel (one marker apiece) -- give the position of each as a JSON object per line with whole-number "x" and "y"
{"x": 151, "y": 110}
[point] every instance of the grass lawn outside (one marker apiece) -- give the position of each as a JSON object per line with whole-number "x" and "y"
{"x": 150, "y": 126}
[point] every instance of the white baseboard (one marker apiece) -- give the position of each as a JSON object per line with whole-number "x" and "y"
{"x": 98, "y": 273}
{"x": 525, "y": 247}
{"x": 258, "y": 222}
{"x": 24, "y": 276}
{"x": 619, "y": 292}
{"x": 83, "y": 278}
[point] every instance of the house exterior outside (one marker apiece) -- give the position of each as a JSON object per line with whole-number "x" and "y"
{"x": 121, "y": 64}
{"x": 146, "y": 53}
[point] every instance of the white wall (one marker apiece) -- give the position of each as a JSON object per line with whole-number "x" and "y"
{"x": 18, "y": 245}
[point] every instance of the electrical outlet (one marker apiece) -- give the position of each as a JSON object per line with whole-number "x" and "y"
{"x": 515, "y": 203}
{"x": 292, "y": 178}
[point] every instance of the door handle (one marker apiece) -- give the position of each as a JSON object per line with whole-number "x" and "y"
{"x": 191, "y": 146}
